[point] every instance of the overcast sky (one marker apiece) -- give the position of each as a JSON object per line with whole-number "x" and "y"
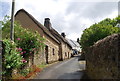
{"x": 69, "y": 16}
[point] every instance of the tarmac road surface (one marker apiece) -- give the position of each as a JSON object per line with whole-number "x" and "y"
{"x": 68, "y": 69}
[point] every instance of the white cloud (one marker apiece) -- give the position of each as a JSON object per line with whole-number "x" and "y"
{"x": 73, "y": 36}
{"x": 113, "y": 14}
{"x": 93, "y": 0}
{"x": 48, "y": 6}
{"x": 5, "y": 0}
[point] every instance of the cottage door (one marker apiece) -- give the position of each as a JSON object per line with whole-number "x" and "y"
{"x": 68, "y": 54}
{"x": 46, "y": 53}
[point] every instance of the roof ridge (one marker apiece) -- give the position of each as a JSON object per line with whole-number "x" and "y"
{"x": 62, "y": 38}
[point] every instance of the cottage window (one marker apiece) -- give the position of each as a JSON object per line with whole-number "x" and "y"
{"x": 65, "y": 54}
{"x": 53, "y": 51}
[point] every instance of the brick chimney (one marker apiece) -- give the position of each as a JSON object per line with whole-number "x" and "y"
{"x": 47, "y": 23}
{"x": 63, "y": 34}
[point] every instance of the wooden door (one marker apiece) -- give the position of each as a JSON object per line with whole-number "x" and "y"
{"x": 46, "y": 53}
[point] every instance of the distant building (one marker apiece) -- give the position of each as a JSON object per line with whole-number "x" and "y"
{"x": 75, "y": 45}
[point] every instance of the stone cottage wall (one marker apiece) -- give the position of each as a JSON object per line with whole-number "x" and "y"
{"x": 64, "y": 51}
{"x": 52, "y": 45}
{"x": 39, "y": 58}
{"x": 103, "y": 58}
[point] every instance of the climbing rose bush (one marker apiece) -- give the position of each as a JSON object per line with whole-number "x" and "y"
{"x": 11, "y": 57}
{"x": 28, "y": 41}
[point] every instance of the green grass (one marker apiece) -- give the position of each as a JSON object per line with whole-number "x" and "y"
{"x": 24, "y": 72}
{"x": 42, "y": 66}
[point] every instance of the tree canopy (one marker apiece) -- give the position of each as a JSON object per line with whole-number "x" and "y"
{"x": 99, "y": 31}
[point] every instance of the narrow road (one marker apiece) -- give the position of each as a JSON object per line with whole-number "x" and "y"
{"x": 68, "y": 69}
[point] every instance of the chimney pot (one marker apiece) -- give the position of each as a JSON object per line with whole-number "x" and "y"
{"x": 63, "y": 34}
{"x": 47, "y": 23}
{"x": 47, "y": 18}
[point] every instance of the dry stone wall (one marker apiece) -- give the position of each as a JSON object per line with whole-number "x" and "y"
{"x": 103, "y": 58}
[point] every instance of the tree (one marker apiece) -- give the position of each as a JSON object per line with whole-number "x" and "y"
{"x": 98, "y": 31}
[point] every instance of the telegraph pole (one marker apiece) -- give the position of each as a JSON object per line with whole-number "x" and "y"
{"x": 12, "y": 21}
{"x": 119, "y": 8}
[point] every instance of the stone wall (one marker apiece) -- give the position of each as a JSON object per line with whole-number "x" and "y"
{"x": 39, "y": 58}
{"x": 52, "y": 45}
{"x": 65, "y": 51}
{"x": 103, "y": 58}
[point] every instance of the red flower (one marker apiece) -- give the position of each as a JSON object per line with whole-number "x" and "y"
{"x": 24, "y": 61}
{"x": 24, "y": 51}
{"x": 18, "y": 38}
{"x": 21, "y": 53}
{"x": 20, "y": 49}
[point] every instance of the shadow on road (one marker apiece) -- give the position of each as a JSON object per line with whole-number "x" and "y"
{"x": 74, "y": 75}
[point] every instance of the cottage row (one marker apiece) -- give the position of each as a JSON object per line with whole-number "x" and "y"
{"x": 56, "y": 46}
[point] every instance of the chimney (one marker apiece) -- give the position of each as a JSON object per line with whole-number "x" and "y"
{"x": 47, "y": 23}
{"x": 63, "y": 34}
{"x": 78, "y": 40}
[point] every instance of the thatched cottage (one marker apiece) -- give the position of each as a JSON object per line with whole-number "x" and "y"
{"x": 56, "y": 46}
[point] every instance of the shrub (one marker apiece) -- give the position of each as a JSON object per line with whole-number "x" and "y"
{"x": 28, "y": 41}
{"x": 11, "y": 58}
